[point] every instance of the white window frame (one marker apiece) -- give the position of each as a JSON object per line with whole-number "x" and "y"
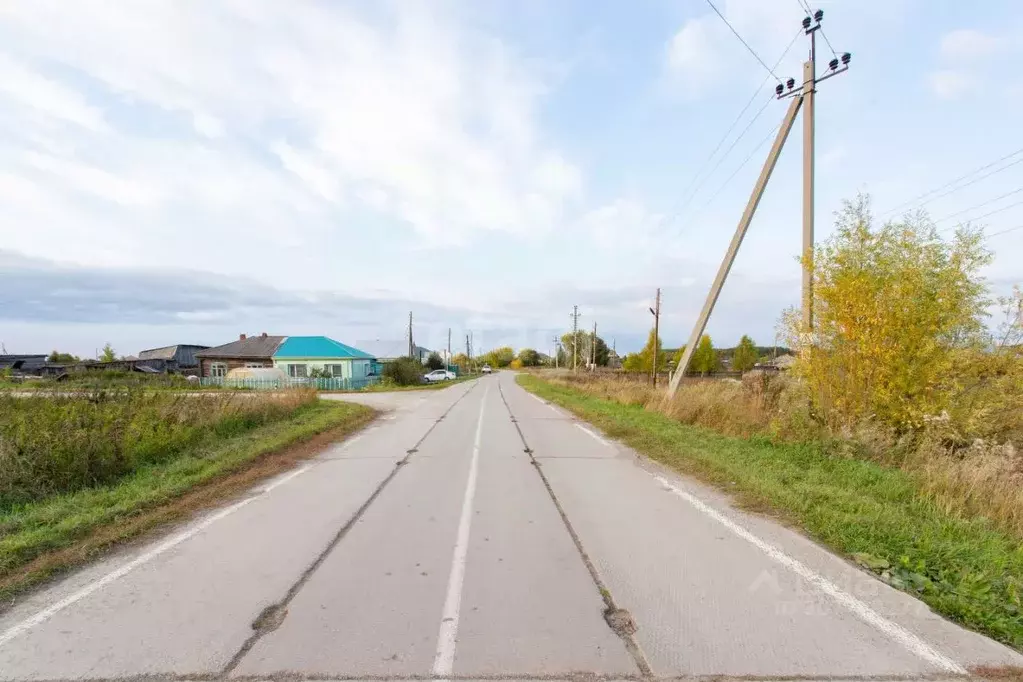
{"x": 337, "y": 370}
{"x": 218, "y": 370}
{"x": 298, "y": 370}
{"x": 254, "y": 365}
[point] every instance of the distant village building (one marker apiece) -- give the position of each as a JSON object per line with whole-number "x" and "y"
{"x": 301, "y": 356}
{"x": 180, "y": 358}
{"x": 247, "y": 351}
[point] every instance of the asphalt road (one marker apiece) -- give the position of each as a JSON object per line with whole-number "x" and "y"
{"x": 479, "y": 532}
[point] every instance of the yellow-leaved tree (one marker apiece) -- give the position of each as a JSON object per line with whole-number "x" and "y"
{"x": 896, "y": 308}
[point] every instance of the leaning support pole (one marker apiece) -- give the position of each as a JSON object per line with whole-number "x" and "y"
{"x": 733, "y": 248}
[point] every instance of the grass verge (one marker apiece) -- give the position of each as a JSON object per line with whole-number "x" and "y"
{"x": 965, "y": 569}
{"x": 391, "y": 388}
{"x": 40, "y": 539}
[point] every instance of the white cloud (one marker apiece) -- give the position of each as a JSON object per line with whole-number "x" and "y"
{"x": 21, "y": 87}
{"x": 704, "y": 54}
{"x": 265, "y": 110}
{"x": 951, "y": 83}
{"x": 969, "y": 45}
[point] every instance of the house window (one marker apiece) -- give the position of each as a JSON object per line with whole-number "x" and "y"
{"x": 218, "y": 370}
{"x": 253, "y": 365}
{"x": 296, "y": 371}
{"x": 336, "y": 370}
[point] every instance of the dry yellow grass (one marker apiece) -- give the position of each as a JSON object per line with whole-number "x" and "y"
{"x": 984, "y": 479}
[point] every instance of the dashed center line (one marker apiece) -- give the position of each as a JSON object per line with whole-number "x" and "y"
{"x": 447, "y": 637}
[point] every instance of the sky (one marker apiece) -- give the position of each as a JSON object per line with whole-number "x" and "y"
{"x": 183, "y": 171}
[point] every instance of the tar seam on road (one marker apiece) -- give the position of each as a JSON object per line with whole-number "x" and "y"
{"x": 893, "y": 630}
{"x": 291, "y": 676}
{"x": 170, "y": 543}
{"x": 279, "y": 610}
{"x": 617, "y": 619}
{"x": 447, "y": 636}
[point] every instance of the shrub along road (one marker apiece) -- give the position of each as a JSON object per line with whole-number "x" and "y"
{"x": 480, "y": 532}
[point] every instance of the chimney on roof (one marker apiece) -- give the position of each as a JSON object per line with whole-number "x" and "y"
{"x": 263, "y": 335}
{"x": 241, "y": 337}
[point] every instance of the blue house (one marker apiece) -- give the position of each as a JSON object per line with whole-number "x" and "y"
{"x": 299, "y": 356}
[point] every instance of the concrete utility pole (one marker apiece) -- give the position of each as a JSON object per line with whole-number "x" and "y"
{"x": 809, "y": 85}
{"x": 656, "y": 312}
{"x": 800, "y": 97}
{"x": 448, "y": 361}
{"x": 593, "y": 348}
{"x": 410, "y": 334}
{"x": 557, "y": 351}
{"x": 575, "y": 334}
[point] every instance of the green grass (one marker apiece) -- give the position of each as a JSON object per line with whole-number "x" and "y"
{"x": 30, "y": 531}
{"x": 388, "y": 388}
{"x": 963, "y": 568}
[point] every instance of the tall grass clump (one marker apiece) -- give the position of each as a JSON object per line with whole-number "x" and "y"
{"x": 55, "y": 443}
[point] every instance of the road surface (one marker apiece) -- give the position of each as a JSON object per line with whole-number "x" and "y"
{"x": 479, "y": 532}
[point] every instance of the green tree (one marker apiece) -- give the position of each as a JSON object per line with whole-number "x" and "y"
{"x": 745, "y": 355}
{"x": 434, "y": 361}
{"x": 461, "y": 360}
{"x": 499, "y": 357}
{"x": 108, "y": 353}
{"x": 647, "y": 354}
{"x": 705, "y": 358}
{"x": 404, "y": 371}
{"x": 529, "y": 357}
{"x": 62, "y": 358}
{"x": 633, "y": 363}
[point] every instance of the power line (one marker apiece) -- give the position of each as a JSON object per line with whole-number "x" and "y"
{"x": 980, "y": 205}
{"x": 803, "y": 5}
{"x": 1011, "y": 229}
{"x": 693, "y": 188}
{"x": 751, "y": 50}
{"x": 724, "y": 156}
{"x": 965, "y": 185}
{"x": 736, "y": 172}
{"x": 953, "y": 182}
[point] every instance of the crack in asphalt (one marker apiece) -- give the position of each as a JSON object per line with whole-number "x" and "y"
{"x": 618, "y": 619}
{"x": 280, "y": 609}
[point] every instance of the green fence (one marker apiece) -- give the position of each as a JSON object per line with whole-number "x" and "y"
{"x": 320, "y": 384}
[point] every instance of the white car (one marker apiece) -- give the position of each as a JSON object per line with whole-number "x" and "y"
{"x": 438, "y": 375}
{"x": 486, "y": 369}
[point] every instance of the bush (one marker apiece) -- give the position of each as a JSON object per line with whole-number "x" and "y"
{"x": 895, "y": 307}
{"x": 52, "y": 444}
{"x": 404, "y": 372}
{"x": 434, "y": 361}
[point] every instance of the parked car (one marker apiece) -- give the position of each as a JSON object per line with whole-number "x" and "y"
{"x": 486, "y": 369}
{"x": 438, "y": 375}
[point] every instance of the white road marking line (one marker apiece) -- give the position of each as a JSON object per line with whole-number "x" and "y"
{"x": 170, "y": 543}
{"x": 592, "y": 434}
{"x": 542, "y": 401}
{"x": 447, "y": 637}
{"x": 893, "y": 630}
{"x": 284, "y": 479}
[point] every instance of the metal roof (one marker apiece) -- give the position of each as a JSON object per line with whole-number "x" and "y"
{"x": 251, "y": 347}
{"x": 167, "y": 352}
{"x": 318, "y": 347}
